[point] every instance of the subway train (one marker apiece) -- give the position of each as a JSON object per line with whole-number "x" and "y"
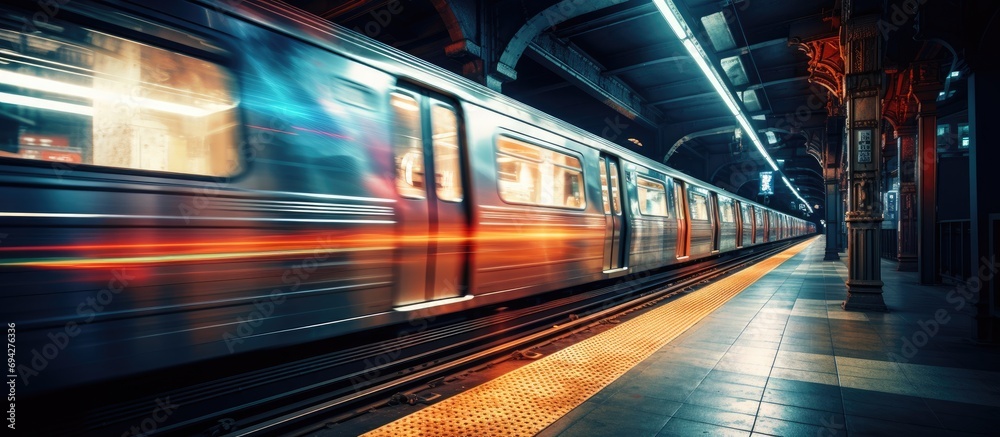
{"x": 183, "y": 181}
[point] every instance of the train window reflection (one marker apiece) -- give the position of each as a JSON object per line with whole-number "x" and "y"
{"x": 616, "y": 206}
{"x": 726, "y": 213}
{"x": 447, "y": 161}
{"x": 78, "y": 96}
{"x": 408, "y": 146}
{"x": 652, "y": 197}
{"x": 604, "y": 186}
{"x": 678, "y": 201}
{"x": 538, "y": 176}
{"x": 745, "y": 213}
{"x": 699, "y": 206}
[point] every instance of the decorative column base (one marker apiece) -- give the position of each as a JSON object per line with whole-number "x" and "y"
{"x": 831, "y": 254}
{"x": 864, "y": 283}
{"x": 907, "y": 264}
{"x": 864, "y": 296}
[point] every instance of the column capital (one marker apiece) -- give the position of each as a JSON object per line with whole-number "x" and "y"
{"x": 925, "y": 84}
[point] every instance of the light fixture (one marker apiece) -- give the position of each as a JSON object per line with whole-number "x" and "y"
{"x": 635, "y": 141}
{"x": 771, "y": 138}
{"x": 954, "y": 74}
{"x": 683, "y": 32}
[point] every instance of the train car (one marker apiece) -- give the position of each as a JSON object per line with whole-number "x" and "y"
{"x": 184, "y": 181}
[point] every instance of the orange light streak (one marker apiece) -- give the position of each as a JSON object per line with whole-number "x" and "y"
{"x": 105, "y": 255}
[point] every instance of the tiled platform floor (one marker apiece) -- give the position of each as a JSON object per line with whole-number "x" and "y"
{"x": 782, "y": 358}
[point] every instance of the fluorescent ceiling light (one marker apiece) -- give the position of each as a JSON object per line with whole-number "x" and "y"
{"x": 673, "y": 19}
{"x": 680, "y": 28}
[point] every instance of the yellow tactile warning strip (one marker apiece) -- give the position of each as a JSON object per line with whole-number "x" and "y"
{"x": 528, "y": 399}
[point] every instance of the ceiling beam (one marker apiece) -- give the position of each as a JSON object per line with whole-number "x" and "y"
{"x": 739, "y": 51}
{"x": 684, "y": 98}
{"x": 750, "y": 87}
{"x": 577, "y": 68}
{"x": 628, "y": 68}
{"x": 606, "y": 21}
{"x": 757, "y": 86}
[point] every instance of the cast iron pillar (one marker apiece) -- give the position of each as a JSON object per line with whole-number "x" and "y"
{"x": 834, "y": 137}
{"x": 925, "y": 84}
{"x": 863, "y": 82}
{"x": 984, "y": 181}
{"x": 906, "y": 143}
{"x": 832, "y": 220}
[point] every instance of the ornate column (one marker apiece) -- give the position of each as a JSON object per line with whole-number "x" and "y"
{"x": 863, "y": 82}
{"x": 906, "y": 143}
{"x": 925, "y": 84}
{"x": 826, "y": 69}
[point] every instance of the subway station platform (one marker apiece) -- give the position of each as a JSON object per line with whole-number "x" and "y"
{"x": 779, "y": 357}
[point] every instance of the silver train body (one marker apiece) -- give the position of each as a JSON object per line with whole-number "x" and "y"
{"x": 182, "y": 181}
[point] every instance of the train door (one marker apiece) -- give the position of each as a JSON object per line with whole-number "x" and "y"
{"x": 758, "y": 225}
{"x": 716, "y": 217}
{"x": 614, "y": 221}
{"x": 681, "y": 211}
{"x": 738, "y": 210}
{"x": 434, "y": 216}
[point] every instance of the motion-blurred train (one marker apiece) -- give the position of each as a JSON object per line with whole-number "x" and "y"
{"x": 181, "y": 181}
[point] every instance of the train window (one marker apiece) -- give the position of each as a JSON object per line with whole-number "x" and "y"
{"x": 447, "y": 160}
{"x": 538, "y": 176}
{"x": 408, "y": 146}
{"x": 604, "y": 186}
{"x": 652, "y": 197}
{"x": 678, "y": 204}
{"x": 699, "y": 206}
{"x": 615, "y": 196}
{"x": 745, "y": 214}
{"x": 726, "y": 213}
{"x": 354, "y": 94}
{"x": 77, "y": 96}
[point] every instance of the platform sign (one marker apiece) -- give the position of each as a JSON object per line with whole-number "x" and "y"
{"x": 891, "y": 205}
{"x": 766, "y": 182}
{"x": 864, "y": 146}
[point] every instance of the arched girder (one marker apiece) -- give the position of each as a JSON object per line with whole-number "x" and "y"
{"x": 551, "y": 16}
{"x": 458, "y": 27}
{"x": 748, "y": 173}
{"x": 796, "y": 169}
{"x": 707, "y": 132}
{"x": 461, "y": 20}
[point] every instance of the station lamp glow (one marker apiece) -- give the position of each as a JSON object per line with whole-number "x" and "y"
{"x": 680, "y": 28}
